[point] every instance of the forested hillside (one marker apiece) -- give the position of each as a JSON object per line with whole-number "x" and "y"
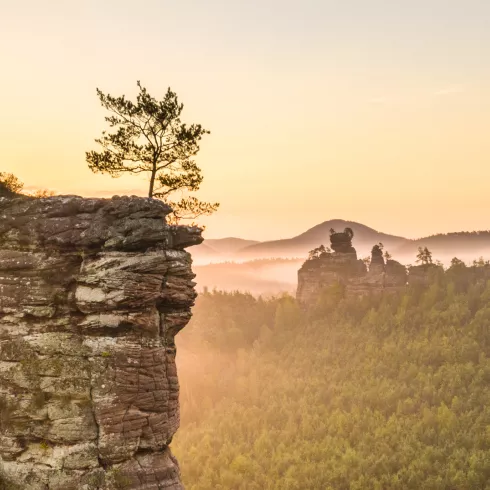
{"x": 373, "y": 393}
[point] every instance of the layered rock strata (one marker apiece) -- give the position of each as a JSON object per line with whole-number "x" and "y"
{"x": 92, "y": 293}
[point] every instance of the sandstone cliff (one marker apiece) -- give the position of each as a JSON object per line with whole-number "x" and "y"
{"x": 92, "y": 293}
{"x": 342, "y": 267}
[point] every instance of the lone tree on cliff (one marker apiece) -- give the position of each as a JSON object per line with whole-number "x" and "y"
{"x": 150, "y": 138}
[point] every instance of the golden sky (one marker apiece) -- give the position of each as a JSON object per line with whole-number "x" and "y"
{"x": 368, "y": 111}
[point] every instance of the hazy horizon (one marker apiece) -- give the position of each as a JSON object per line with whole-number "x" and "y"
{"x": 377, "y": 114}
{"x": 134, "y": 354}
{"x": 307, "y": 227}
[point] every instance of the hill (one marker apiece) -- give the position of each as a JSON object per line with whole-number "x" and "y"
{"x": 229, "y": 245}
{"x": 464, "y": 245}
{"x": 204, "y": 254}
{"x": 219, "y": 249}
{"x": 299, "y": 246}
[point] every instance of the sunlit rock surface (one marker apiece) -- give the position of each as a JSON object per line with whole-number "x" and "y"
{"x": 92, "y": 293}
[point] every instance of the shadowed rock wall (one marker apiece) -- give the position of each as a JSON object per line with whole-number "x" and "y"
{"x": 342, "y": 267}
{"x": 92, "y": 293}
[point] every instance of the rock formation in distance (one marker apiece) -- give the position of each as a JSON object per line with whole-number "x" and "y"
{"x": 344, "y": 268}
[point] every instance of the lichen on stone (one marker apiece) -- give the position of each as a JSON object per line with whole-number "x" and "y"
{"x": 92, "y": 293}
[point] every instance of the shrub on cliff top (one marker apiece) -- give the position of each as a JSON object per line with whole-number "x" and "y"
{"x": 9, "y": 184}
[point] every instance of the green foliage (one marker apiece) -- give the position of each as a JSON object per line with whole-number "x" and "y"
{"x": 319, "y": 252}
{"x": 424, "y": 256}
{"x": 388, "y": 392}
{"x": 218, "y": 326}
{"x": 9, "y": 184}
{"x": 481, "y": 262}
{"x": 44, "y": 445}
{"x": 149, "y": 137}
{"x": 40, "y": 193}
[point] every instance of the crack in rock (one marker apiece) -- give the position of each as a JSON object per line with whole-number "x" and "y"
{"x": 92, "y": 293}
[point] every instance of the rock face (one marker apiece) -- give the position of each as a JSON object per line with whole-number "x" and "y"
{"x": 422, "y": 274}
{"x": 339, "y": 267}
{"x": 343, "y": 268}
{"x": 92, "y": 293}
{"x": 377, "y": 263}
{"x": 395, "y": 274}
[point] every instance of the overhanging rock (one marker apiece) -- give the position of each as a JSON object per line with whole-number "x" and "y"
{"x": 92, "y": 293}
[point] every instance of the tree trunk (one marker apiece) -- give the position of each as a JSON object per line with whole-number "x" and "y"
{"x": 152, "y": 180}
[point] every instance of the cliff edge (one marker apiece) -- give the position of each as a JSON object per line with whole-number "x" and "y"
{"x": 92, "y": 293}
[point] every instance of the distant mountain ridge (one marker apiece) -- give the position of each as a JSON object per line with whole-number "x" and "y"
{"x": 230, "y": 244}
{"x": 219, "y": 249}
{"x": 465, "y": 245}
{"x": 364, "y": 238}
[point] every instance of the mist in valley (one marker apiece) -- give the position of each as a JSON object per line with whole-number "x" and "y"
{"x": 269, "y": 268}
{"x": 245, "y": 245}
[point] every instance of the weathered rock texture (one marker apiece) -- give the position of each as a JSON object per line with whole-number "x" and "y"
{"x": 343, "y": 268}
{"x": 92, "y": 293}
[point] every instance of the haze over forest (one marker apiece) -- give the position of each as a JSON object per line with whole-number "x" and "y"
{"x": 271, "y": 267}
{"x": 258, "y": 356}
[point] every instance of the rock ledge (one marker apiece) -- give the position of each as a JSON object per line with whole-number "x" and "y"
{"x": 92, "y": 293}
